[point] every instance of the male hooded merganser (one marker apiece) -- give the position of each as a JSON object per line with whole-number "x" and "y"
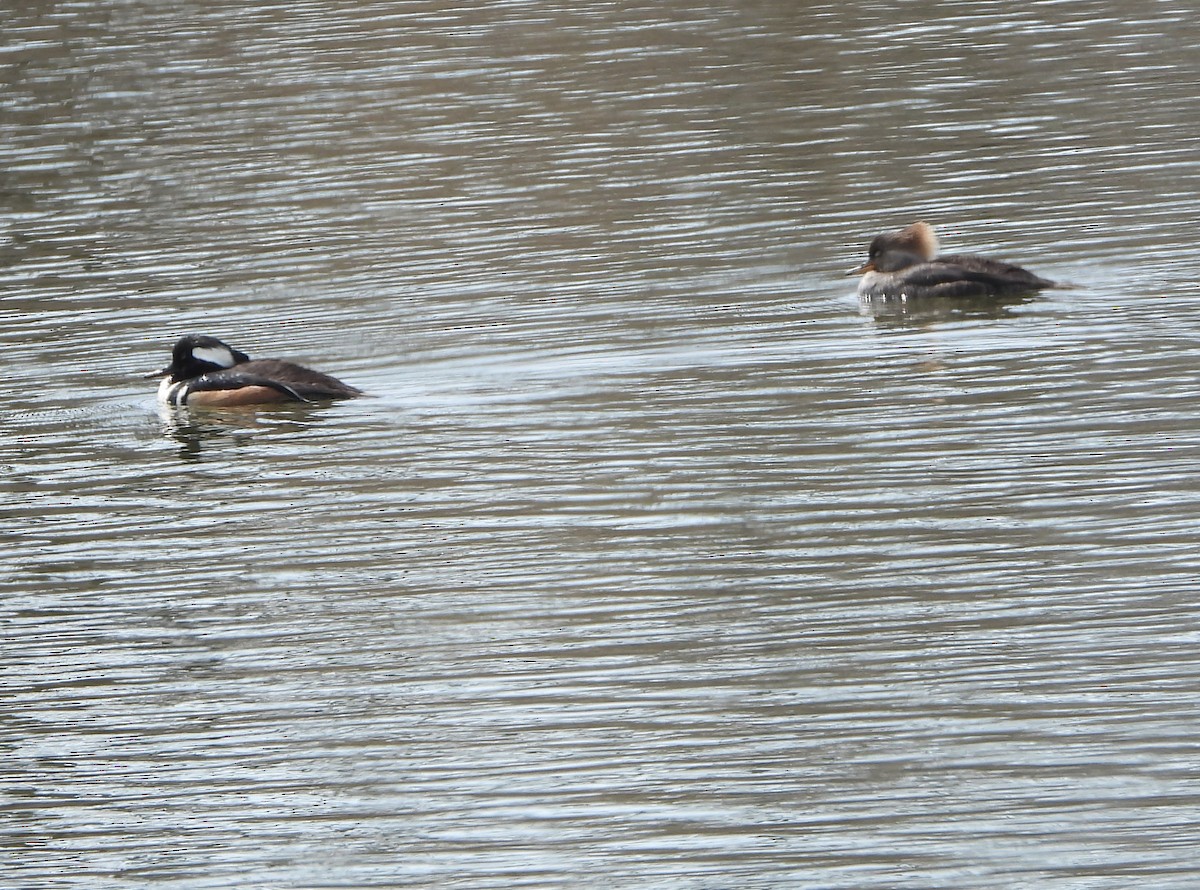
{"x": 205, "y": 371}
{"x": 905, "y": 265}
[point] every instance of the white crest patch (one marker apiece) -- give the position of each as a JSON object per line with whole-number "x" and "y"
{"x": 216, "y": 355}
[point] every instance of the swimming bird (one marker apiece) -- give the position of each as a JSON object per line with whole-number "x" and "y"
{"x": 905, "y": 265}
{"x": 206, "y": 371}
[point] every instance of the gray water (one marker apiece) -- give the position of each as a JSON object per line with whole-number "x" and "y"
{"x": 655, "y": 558}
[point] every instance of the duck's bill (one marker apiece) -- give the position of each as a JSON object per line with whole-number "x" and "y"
{"x": 866, "y": 267}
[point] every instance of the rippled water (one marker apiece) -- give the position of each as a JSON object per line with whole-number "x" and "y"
{"x": 654, "y": 558}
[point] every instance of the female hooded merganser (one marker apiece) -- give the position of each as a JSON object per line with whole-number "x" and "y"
{"x": 205, "y": 371}
{"x": 905, "y": 265}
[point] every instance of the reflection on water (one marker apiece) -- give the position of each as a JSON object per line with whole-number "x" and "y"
{"x": 657, "y": 558}
{"x": 901, "y": 311}
{"x": 193, "y": 429}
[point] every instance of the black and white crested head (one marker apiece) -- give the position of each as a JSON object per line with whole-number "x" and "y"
{"x": 195, "y": 355}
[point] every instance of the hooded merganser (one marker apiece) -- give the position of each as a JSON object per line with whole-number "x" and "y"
{"x": 905, "y": 265}
{"x": 205, "y": 371}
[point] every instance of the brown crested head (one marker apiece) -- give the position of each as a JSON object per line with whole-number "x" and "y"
{"x": 893, "y": 251}
{"x": 918, "y": 239}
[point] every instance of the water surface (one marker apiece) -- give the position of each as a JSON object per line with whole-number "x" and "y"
{"x": 654, "y": 558}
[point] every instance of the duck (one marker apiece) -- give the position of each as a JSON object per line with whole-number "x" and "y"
{"x": 906, "y": 265}
{"x": 205, "y": 371}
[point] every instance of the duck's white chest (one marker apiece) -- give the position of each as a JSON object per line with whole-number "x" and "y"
{"x": 172, "y": 392}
